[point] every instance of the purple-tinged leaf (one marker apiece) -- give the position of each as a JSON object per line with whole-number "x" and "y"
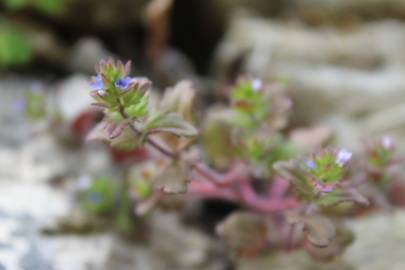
{"x": 117, "y": 131}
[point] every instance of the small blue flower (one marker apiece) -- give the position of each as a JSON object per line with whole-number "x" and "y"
{"x": 342, "y": 157}
{"x": 123, "y": 83}
{"x": 98, "y": 83}
{"x": 310, "y": 164}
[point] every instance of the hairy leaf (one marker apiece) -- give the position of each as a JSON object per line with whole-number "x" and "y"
{"x": 174, "y": 178}
{"x": 180, "y": 99}
{"x": 244, "y": 232}
{"x": 291, "y": 171}
{"x": 320, "y": 231}
{"x": 342, "y": 195}
{"x": 174, "y": 124}
{"x": 219, "y": 138}
{"x": 344, "y": 237}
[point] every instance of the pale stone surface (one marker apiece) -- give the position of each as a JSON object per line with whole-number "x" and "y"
{"x": 268, "y": 42}
{"x": 290, "y": 261}
{"x": 23, "y": 207}
{"x": 379, "y": 245}
{"x": 73, "y": 96}
{"x": 350, "y": 80}
{"x": 86, "y": 53}
{"x": 172, "y": 245}
{"x": 13, "y": 125}
{"x": 340, "y": 12}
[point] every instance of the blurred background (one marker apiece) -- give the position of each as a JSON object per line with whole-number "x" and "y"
{"x": 343, "y": 62}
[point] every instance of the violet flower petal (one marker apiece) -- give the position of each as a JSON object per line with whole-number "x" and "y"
{"x": 342, "y": 157}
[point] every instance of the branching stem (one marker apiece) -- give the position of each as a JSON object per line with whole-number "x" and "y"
{"x": 233, "y": 186}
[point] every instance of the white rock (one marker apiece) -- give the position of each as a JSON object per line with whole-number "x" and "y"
{"x": 86, "y": 53}
{"x": 73, "y": 96}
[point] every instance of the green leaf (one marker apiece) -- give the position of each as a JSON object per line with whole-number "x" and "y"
{"x": 15, "y": 4}
{"x": 344, "y": 237}
{"x": 139, "y": 108}
{"x": 219, "y": 138}
{"x": 250, "y": 105}
{"x": 326, "y": 169}
{"x": 320, "y": 231}
{"x": 35, "y": 107}
{"x": 292, "y": 171}
{"x": 263, "y": 150}
{"x": 180, "y": 99}
{"x": 245, "y": 233}
{"x": 99, "y": 198}
{"x": 49, "y": 6}
{"x": 330, "y": 199}
{"x": 15, "y": 47}
{"x": 123, "y": 220}
{"x": 142, "y": 188}
{"x": 343, "y": 195}
{"x": 153, "y": 120}
{"x": 174, "y": 178}
{"x": 127, "y": 140}
{"x": 174, "y": 124}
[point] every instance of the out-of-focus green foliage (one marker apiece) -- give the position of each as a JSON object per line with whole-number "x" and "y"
{"x": 15, "y": 4}
{"x": 35, "y": 104}
{"x": 99, "y": 198}
{"x": 45, "y": 6}
{"x": 264, "y": 151}
{"x": 250, "y": 103}
{"x": 15, "y": 46}
{"x": 326, "y": 169}
{"x": 49, "y": 6}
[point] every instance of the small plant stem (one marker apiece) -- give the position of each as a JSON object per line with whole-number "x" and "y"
{"x": 245, "y": 192}
{"x": 228, "y": 178}
{"x": 150, "y": 141}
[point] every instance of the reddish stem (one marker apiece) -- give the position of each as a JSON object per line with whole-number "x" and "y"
{"x": 264, "y": 204}
{"x": 238, "y": 171}
{"x": 220, "y": 185}
{"x": 278, "y": 187}
{"x": 211, "y": 191}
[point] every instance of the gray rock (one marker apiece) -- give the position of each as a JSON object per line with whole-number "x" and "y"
{"x": 85, "y": 54}
{"x": 268, "y": 42}
{"x": 358, "y": 89}
{"x": 379, "y": 243}
{"x": 297, "y": 260}
{"x": 14, "y": 129}
{"x": 73, "y": 96}
{"x": 26, "y": 207}
{"x": 341, "y": 12}
{"x": 172, "y": 245}
{"x": 23, "y": 207}
{"x": 338, "y": 11}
